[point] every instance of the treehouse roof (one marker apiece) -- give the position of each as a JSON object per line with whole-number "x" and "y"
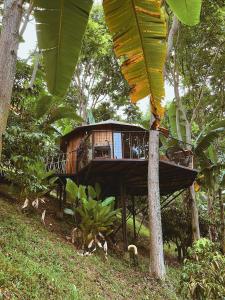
{"x": 104, "y": 125}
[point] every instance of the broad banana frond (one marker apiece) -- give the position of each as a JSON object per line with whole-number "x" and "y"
{"x": 60, "y": 28}
{"x": 187, "y": 11}
{"x": 43, "y": 105}
{"x": 206, "y": 141}
{"x": 139, "y": 33}
{"x": 60, "y": 113}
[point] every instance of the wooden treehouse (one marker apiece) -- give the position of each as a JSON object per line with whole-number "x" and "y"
{"x": 115, "y": 155}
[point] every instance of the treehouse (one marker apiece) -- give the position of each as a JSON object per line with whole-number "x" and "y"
{"x": 115, "y": 154}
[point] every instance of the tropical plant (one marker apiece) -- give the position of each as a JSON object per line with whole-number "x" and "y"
{"x": 203, "y": 274}
{"x": 94, "y": 217}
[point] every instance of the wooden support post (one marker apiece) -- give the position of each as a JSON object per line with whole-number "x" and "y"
{"x": 64, "y": 195}
{"x": 124, "y": 215}
{"x": 134, "y": 221}
{"x": 60, "y": 197}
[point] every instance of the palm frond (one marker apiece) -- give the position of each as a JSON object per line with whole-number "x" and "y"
{"x": 139, "y": 33}
{"x": 60, "y": 28}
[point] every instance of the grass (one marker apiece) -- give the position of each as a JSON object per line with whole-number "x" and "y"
{"x": 38, "y": 264}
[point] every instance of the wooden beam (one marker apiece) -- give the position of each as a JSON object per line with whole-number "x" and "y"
{"x": 134, "y": 221}
{"x": 124, "y": 214}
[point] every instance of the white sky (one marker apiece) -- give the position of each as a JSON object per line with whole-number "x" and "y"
{"x": 30, "y": 44}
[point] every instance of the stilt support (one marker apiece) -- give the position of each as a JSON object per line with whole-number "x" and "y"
{"x": 124, "y": 215}
{"x": 134, "y": 221}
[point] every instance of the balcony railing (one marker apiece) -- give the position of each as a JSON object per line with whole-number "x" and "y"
{"x": 115, "y": 145}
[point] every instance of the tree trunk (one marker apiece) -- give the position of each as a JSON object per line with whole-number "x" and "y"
{"x": 194, "y": 212}
{"x": 9, "y": 42}
{"x": 157, "y": 267}
{"x": 172, "y": 33}
{"x": 222, "y": 221}
{"x": 181, "y": 108}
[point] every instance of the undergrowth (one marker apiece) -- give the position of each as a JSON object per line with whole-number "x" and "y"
{"x": 38, "y": 264}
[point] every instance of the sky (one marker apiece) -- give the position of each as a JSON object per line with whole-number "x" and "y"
{"x": 30, "y": 42}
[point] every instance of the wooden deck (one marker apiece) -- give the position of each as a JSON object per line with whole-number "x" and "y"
{"x": 133, "y": 174}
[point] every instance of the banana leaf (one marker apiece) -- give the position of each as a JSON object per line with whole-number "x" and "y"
{"x": 139, "y": 34}
{"x": 206, "y": 141}
{"x": 43, "y": 105}
{"x": 60, "y": 26}
{"x": 187, "y": 11}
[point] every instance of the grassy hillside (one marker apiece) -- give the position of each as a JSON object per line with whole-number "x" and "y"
{"x": 36, "y": 263}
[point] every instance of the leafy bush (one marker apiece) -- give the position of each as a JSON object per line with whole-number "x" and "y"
{"x": 94, "y": 217}
{"x": 203, "y": 275}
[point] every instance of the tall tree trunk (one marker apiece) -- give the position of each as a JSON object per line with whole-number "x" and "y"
{"x": 222, "y": 221}
{"x": 9, "y": 42}
{"x": 157, "y": 267}
{"x": 181, "y": 108}
{"x": 194, "y": 215}
{"x": 194, "y": 211}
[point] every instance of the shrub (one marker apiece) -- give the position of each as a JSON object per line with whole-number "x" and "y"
{"x": 94, "y": 218}
{"x": 203, "y": 274}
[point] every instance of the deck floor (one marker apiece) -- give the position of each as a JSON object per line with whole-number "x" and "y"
{"x": 133, "y": 173}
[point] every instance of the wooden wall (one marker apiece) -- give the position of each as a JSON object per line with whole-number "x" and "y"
{"x": 71, "y": 150}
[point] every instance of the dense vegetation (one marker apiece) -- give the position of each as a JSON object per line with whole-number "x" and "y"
{"x": 37, "y": 263}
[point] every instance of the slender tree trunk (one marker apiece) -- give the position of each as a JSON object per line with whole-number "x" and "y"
{"x": 222, "y": 221}
{"x": 157, "y": 267}
{"x": 211, "y": 214}
{"x": 9, "y": 42}
{"x": 193, "y": 205}
{"x": 194, "y": 215}
{"x": 172, "y": 33}
{"x": 194, "y": 208}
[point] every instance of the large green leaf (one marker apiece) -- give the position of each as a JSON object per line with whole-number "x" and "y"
{"x": 60, "y": 28}
{"x": 139, "y": 34}
{"x": 207, "y": 140}
{"x": 72, "y": 189}
{"x": 187, "y": 11}
{"x": 63, "y": 113}
{"x": 43, "y": 105}
{"x": 108, "y": 201}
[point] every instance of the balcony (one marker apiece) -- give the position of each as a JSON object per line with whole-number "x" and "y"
{"x": 101, "y": 145}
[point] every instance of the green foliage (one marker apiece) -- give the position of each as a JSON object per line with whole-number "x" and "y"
{"x": 49, "y": 110}
{"x": 43, "y": 105}
{"x": 187, "y": 11}
{"x": 176, "y": 226}
{"x": 98, "y": 83}
{"x": 205, "y": 141}
{"x": 94, "y": 217}
{"x": 60, "y": 29}
{"x": 203, "y": 275}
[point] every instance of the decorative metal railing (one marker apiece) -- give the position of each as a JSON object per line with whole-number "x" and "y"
{"x": 115, "y": 145}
